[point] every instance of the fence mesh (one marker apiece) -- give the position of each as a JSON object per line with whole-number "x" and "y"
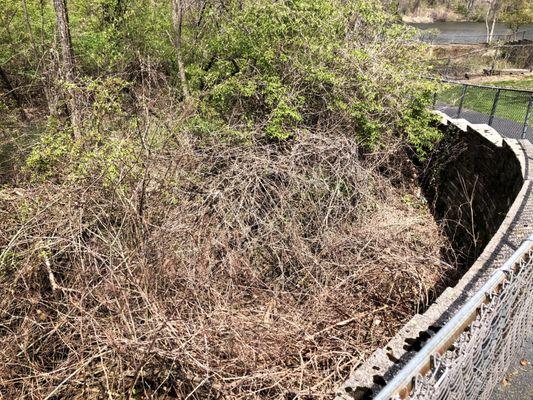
{"x": 479, "y": 359}
{"x": 470, "y": 61}
{"x": 478, "y": 103}
{"x": 510, "y": 112}
{"x": 437, "y": 37}
{"x": 513, "y": 106}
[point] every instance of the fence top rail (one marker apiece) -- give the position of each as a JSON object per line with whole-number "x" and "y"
{"x": 450, "y": 331}
{"x": 488, "y": 87}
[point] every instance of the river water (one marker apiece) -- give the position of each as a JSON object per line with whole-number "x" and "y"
{"x": 469, "y": 32}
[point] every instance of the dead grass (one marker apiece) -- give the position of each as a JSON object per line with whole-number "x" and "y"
{"x": 261, "y": 271}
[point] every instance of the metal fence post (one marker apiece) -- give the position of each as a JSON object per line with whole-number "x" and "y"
{"x": 434, "y": 100}
{"x": 494, "y": 105}
{"x": 526, "y": 120}
{"x": 461, "y": 101}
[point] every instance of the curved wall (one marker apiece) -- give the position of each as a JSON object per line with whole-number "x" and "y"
{"x": 471, "y": 180}
{"x": 480, "y": 184}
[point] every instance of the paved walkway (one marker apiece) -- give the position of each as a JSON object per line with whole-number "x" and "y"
{"x": 518, "y": 383}
{"x": 505, "y": 127}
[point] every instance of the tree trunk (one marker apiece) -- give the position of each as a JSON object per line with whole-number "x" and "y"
{"x": 492, "y": 27}
{"x": 469, "y": 6}
{"x": 38, "y": 53}
{"x": 416, "y": 6}
{"x": 67, "y": 63}
{"x": 177, "y": 23}
{"x": 487, "y": 17}
{"x": 490, "y": 19}
{"x": 49, "y": 67}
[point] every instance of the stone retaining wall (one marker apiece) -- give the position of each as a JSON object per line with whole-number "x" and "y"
{"x": 483, "y": 181}
{"x": 471, "y": 182}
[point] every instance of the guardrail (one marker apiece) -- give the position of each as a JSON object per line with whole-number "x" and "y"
{"x": 509, "y": 111}
{"x": 470, "y": 354}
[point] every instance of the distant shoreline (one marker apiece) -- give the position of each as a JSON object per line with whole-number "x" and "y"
{"x": 428, "y": 19}
{"x": 436, "y": 14}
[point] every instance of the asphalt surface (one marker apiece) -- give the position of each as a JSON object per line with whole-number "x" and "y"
{"x": 518, "y": 381}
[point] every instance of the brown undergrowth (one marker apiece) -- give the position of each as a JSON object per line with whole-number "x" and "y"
{"x": 222, "y": 270}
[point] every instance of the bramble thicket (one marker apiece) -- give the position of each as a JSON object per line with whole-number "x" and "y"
{"x": 208, "y": 198}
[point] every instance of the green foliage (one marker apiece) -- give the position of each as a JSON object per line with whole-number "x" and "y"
{"x": 54, "y": 148}
{"x": 105, "y": 100}
{"x": 418, "y": 123}
{"x": 263, "y": 68}
{"x": 111, "y": 34}
{"x": 518, "y": 13}
{"x": 103, "y": 151}
{"x": 419, "y": 126}
{"x": 112, "y": 159}
{"x": 56, "y": 156}
{"x": 462, "y": 9}
{"x": 9, "y": 263}
{"x": 301, "y": 65}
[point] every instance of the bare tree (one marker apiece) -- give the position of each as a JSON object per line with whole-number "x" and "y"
{"x": 491, "y": 17}
{"x": 416, "y": 6}
{"x": 177, "y": 23}
{"x": 40, "y": 53}
{"x": 470, "y": 6}
{"x": 67, "y": 63}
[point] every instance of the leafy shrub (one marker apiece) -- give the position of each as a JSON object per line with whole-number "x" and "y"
{"x": 270, "y": 67}
{"x": 103, "y": 150}
{"x": 50, "y": 154}
{"x": 305, "y": 65}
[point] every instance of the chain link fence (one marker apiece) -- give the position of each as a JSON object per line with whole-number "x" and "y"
{"x": 509, "y": 111}
{"x": 435, "y": 37}
{"x": 470, "y": 355}
{"x": 466, "y": 61}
